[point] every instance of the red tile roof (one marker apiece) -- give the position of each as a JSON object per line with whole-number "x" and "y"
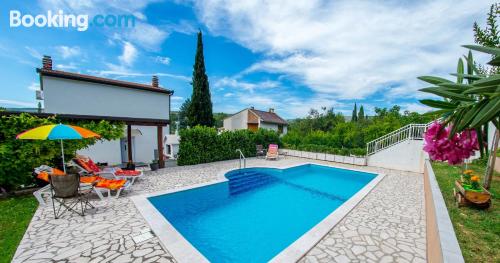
{"x": 269, "y": 117}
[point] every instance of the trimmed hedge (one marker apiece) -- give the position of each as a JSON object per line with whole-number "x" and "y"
{"x": 328, "y": 149}
{"x": 204, "y": 144}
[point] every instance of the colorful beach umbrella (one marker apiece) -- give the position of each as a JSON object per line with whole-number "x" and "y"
{"x": 57, "y": 132}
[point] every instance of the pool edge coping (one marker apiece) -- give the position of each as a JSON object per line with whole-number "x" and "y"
{"x": 183, "y": 251}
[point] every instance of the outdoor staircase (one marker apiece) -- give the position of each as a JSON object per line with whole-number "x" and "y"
{"x": 408, "y": 132}
{"x": 248, "y": 180}
{"x": 401, "y": 149}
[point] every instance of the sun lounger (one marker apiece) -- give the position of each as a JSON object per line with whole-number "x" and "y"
{"x": 87, "y": 166}
{"x": 272, "y": 152}
{"x": 43, "y": 172}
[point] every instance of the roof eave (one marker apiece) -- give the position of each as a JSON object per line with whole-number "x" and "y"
{"x": 80, "y": 77}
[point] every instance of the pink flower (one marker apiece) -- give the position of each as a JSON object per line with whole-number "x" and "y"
{"x": 454, "y": 149}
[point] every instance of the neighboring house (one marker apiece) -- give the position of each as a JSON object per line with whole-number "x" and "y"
{"x": 144, "y": 108}
{"x": 253, "y": 119}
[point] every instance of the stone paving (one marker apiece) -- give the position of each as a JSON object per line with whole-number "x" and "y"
{"x": 387, "y": 226}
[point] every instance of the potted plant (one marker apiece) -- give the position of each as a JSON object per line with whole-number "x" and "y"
{"x": 154, "y": 165}
{"x": 469, "y": 191}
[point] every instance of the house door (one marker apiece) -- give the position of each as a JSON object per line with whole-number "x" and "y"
{"x": 124, "y": 149}
{"x": 253, "y": 126}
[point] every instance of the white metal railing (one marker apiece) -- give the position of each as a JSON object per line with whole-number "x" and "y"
{"x": 242, "y": 158}
{"x": 408, "y": 132}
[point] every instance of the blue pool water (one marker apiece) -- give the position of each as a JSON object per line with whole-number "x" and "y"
{"x": 259, "y": 211}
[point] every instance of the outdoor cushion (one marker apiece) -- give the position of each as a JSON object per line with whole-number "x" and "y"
{"x": 56, "y": 171}
{"x": 93, "y": 166}
{"x": 43, "y": 176}
{"x": 89, "y": 179}
{"x": 127, "y": 172}
{"x": 111, "y": 184}
{"x": 83, "y": 164}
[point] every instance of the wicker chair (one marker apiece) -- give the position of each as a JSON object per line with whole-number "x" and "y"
{"x": 65, "y": 190}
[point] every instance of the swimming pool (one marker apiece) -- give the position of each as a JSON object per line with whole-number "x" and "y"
{"x": 258, "y": 212}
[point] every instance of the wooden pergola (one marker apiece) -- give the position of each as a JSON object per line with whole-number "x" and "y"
{"x": 159, "y": 123}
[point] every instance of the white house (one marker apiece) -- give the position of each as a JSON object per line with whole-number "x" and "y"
{"x": 144, "y": 108}
{"x": 253, "y": 119}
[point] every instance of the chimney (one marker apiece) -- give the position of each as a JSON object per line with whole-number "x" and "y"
{"x": 271, "y": 110}
{"x": 47, "y": 62}
{"x": 154, "y": 81}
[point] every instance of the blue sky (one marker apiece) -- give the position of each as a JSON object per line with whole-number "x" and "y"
{"x": 289, "y": 55}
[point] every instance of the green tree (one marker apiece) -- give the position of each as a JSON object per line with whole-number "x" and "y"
{"x": 361, "y": 113}
{"x": 354, "y": 117}
{"x": 219, "y": 119}
{"x": 39, "y": 109}
{"x": 200, "y": 109}
{"x": 182, "y": 115}
{"x": 488, "y": 36}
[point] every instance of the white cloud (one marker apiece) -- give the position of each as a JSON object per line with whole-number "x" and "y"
{"x": 147, "y": 36}
{"x": 70, "y": 66}
{"x": 415, "y": 107}
{"x": 17, "y": 103}
{"x": 249, "y": 86}
{"x": 163, "y": 60}
{"x": 129, "y": 54}
{"x": 34, "y": 53}
{"x": 177, "y": 98}
{"x": 68, "y": 52}
{"x": 229, "y": 94}
{"x": 350, "y": 49}
{"x": 121, "y": 72}
{"x": 34, "y": 86}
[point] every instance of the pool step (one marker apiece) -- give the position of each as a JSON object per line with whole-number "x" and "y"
{"x": 239, "y": 183}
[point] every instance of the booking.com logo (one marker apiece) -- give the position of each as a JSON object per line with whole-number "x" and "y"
{"x": 61, "y": 20}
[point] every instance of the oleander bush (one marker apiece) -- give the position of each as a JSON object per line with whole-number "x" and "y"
{"x": 19, "y": 157}
{"x": 204, "y": 144}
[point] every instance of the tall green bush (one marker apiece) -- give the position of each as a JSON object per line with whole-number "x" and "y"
{"x": 19, "y": 157}
{"x": 204, "y": 144}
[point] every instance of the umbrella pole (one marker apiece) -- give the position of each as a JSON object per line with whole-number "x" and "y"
{"x": 62, "y": 155}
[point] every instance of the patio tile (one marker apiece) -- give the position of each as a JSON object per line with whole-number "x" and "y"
{"x": 387, "y": 225}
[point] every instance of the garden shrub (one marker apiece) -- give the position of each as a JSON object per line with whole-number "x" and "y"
{"x": 19, "y": 157}
{"x": 203, "y": 144}
{"x": 327, "y": 149}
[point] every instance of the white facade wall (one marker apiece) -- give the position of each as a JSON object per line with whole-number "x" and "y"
{"x": 104, "y": 152}
{"x": 406, "y": 156}
{"x": 66, "y": 96}
{"x": 238, "y": 121}
{"x": 143, "y": 147}
{"x": 272, "y": 126}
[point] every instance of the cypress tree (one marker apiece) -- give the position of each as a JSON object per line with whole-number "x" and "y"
{"x": 361, "y": 113}
{"x": 200, "y": 108}
{"x": 354, "y": 117}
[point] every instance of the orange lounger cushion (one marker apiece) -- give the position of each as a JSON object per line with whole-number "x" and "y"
{"x": 45, "y": 176}
{"x": 89, "y": 179}
{"x": 111, "y": 184}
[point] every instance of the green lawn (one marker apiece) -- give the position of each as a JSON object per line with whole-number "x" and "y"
{"x": 15, "y": 216}
{"x": 478, "y": 231}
